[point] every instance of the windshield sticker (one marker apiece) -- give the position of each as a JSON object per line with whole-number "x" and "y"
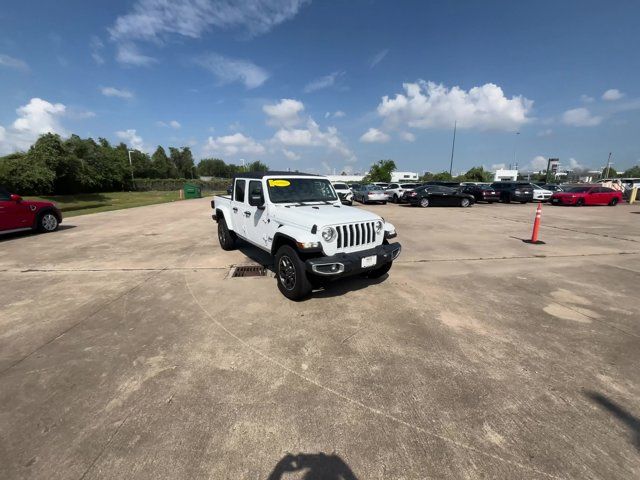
{"x": 279, "y": 183}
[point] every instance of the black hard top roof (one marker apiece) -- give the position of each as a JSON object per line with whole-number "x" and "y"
{"x": 274, "y": 174}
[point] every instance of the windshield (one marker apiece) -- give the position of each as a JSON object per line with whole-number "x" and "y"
{"x": 294, "y": 190}
{"x": 579, "y": 189}
{"x": 340, "y": 186}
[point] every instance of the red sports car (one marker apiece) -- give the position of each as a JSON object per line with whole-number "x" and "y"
{"x": 18, "y": 214}
{"x": 587, "y": 195}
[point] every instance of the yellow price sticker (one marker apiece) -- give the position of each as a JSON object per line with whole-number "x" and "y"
{"x": 279, "y": 183}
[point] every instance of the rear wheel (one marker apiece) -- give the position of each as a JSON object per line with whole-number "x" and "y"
{"x": 384, "y": 203}
{"x": 579, "y": 202}
{"x": 395, "y": 198}
{"x": 226, "y": 238}
{"x": 424, "y": 202}
{"x": 613, "y": 202}
{"x": 291, "y": 274}
{"x": 464, "y": 202}
{"x": 47, "y": 222}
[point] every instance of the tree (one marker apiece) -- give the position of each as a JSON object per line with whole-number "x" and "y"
{"x": 442, "y": 176}
{"x": 633, "y": 172}
{"x": 257, "y": 166}
{"x": 381, "y": 171}
{"x": 183, "y": 160}
{"x": 213, "y": 167}
{"x": 161, "y": 166}
{"x": 26, "y": 176}
{"x": 612, "y": 173}
{"x": 477, "y": 174}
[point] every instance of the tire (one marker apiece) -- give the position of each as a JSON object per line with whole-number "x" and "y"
{"x": 464, "y": 202}
{"x": 580, "y": 202}
{"x": 506, "y": 198}
{"x": 395, "y": 198}
{"x": 523, "y": 202}
{"x": 384, "y": 203}
{"x": 226, "y": 238}
{"x": 490, "y": 202}
{"x": 291, "y": 274}
{"x": 613, "y": 202}
{"x": 47, "y": 222}
{"x": 378, "y": 272}
{"x": 424, "y": 202}
{"x": 349, "y": 203}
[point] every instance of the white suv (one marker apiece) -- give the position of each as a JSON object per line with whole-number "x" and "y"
{"x": 395, "y": 190}
{"x": 300, "y": 221}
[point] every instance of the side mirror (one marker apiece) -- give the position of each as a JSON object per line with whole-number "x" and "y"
{"x": 256, "y": 200}
{"x": 15, "y": 198}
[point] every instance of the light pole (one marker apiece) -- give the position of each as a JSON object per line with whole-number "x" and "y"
{"x": 131, "y": 166}
{"x": 515, "y": 150}
{"x": 453, "y": 146}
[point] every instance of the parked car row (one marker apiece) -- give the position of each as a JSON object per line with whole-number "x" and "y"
{"x": 465, "y": 194}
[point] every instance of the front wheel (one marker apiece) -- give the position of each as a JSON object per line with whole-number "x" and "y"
{"x": 225, "y": 237}
{"x": 48, "y": 222}
{"x": 613, "y": 202}
{"x": 464, "y": 203}
{"x": 579, "y": 202}
{"x": 291, "y": 274}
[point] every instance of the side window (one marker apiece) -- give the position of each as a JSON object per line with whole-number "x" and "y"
{"x": 255, "y": 188}
{"x": 239, "y": 191}
{"x": 393, "y": 185}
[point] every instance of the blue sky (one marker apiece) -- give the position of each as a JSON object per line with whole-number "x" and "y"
{"x": 322, "y": 85}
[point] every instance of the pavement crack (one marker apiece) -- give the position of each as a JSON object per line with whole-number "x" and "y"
{"x": 515, "y": 257}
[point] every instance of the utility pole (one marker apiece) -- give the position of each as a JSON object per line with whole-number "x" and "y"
{"x": 515, "y": 149}
{"x": 608, "y": 166}
{"x": 131, "y": 167}
{"x": 453, "y": 146}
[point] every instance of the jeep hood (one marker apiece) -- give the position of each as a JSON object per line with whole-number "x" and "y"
{"x": 320, "y": 215}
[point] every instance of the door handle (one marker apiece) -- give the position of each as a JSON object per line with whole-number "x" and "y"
{"x": 247, "y": 213}
{"x": 235, "y": 209}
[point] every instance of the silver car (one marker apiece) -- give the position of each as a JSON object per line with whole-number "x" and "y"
{"x": 370, "y": 194}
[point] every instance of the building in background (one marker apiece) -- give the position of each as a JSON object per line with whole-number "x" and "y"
{"x": 502, "y": 175}
{"x": 404, "y": 176}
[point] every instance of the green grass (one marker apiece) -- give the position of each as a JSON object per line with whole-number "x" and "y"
{"x": 85, "y": 203}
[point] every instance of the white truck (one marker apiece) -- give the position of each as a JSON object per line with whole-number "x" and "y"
{"x": 299, "y": 220}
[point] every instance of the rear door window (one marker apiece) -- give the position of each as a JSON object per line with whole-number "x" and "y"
{"x": 238, "y": 194}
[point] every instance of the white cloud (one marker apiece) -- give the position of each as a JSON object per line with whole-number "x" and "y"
{"x": 373, "y": 135}
{"x": 116, "y": 92}
{"x": 580, "y": 117}
{"x": 586, "y": 98}
{"x": 323, "y": 82}
{"x": 34, "y": 119}
{"x": 96, "y": 45}
{"x": 153, "y": 20}
{"x": 129, "y": 54}
{"x": 545, "y": 133}
{"x": 497, "y": 166}
{"x": 612, "y": 94}
{"x": 407, "y": 136}
{"x": 228, "y": 70}
{"x": 336, "y": 114}
{"x": 15, "y": 63}
{"x": 575, "y": 165}
{"x": 538, "y": 163}
{"x": 378, "y": 57}
{"x": 313, "y": 136}
{"x": 431, "y": 105}
{"x": 233, "y": 144}
{"x": 172, "y": 124}
{"x": 285, "y": 113}
{"x": 290, "y": 155}
{"x": 132, "y": 139}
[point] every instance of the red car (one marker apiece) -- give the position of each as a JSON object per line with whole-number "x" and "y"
{"x": 17, "y": 214}
{"x": 587, "y": 195}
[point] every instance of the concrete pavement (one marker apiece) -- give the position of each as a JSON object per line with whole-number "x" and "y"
{"x": 125, "y": 352}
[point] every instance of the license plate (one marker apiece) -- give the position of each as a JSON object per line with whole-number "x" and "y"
{"x": 369, "y": 261}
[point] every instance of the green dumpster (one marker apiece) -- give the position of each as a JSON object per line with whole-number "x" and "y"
{"x": 192, "y": 191}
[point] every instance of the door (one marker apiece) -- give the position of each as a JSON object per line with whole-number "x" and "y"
{"x": 237, "y": 206}
{"x": 13, "y": 214}
{"x": 255, "y": 218}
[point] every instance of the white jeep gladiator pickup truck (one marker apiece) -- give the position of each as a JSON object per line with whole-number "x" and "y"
{"x": 299, "y": 219}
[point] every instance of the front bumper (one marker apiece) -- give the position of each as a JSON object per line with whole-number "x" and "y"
{"x": 347, "y": 264}
{"x": 563, "y": 200}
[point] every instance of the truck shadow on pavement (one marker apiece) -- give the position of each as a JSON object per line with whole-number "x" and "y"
{"x": 632, "y": 422}
{"x": 314, "y": 466}
{"x": 328, "y": 289}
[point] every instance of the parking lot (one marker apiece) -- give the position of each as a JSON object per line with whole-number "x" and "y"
{"x": 126, "y": 352}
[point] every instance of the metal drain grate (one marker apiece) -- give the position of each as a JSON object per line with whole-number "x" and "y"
{"x": 248, "y": 271}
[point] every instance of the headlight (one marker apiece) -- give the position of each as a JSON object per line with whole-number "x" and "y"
{"x": 328, "y": 234}
{"x": 379, "y": 226}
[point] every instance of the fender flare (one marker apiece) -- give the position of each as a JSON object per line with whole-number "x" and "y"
{"x": 223, "y": 212}
{"x": 290, "y": 235}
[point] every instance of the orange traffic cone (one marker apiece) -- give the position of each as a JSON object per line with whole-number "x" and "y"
{"x": 536, "y": 227}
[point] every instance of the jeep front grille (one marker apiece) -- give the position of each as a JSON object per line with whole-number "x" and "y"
{"x": 356, "y": 235}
